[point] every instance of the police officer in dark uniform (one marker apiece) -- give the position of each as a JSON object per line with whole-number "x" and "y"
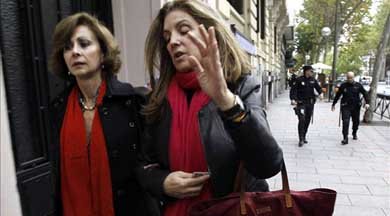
{"x": 303, "y": 97}
{"x": 292, "y": 79}
{"x": 350, "y": 105}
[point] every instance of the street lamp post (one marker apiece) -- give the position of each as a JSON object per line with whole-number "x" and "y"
{"x": 307, "y": 57}
{"x": 332, "y": 81}
{"x": 325, "y": 32}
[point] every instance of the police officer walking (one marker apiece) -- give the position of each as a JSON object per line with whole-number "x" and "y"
{"x": 350, "y": 105}
{"x": 303, "y": 97}
{"x": 292, "y": 79}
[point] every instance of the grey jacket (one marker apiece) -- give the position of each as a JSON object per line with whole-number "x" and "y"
{"x": 225, "y": 143}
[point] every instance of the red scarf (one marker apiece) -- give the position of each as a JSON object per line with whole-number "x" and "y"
{"x": 186, "y": 151}
{"x": 85, "y": 174}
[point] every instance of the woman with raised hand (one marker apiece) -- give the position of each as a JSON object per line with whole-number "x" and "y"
{"x": 204, "y": 114}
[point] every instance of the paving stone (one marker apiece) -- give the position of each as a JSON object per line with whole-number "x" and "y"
{"x": 320, "y": 178}
{"x": 380, "y": 191}
{"x": 386, "y": 211}
{"x": 298, "y": 185}
{"x": 343, "y": 210}
{"x": 341, "y": 172}
{"x": 370, "y": 173}
{"x": 347, "y": 188}
{"x": 342, "y": 199}
{"x": 363, "y": 180}
{"x": 369, "y": 201}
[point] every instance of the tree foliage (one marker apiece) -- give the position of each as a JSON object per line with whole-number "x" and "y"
{"x": 350, "y": 57}
{"x": 316, "y": 14}
{"x": 364, "y": 41}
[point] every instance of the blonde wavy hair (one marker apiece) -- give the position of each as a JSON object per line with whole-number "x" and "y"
{"x": 157, "y": 59}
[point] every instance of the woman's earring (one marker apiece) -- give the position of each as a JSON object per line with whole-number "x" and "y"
{"x": 102, "y": 66}
{"x": 68, "y": 73}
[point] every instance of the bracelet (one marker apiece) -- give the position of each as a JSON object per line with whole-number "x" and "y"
{"x": 239, "y": 118}
{"x": 237, "y": 112}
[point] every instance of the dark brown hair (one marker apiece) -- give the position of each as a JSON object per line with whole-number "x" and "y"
{"x": 64, "y": 31}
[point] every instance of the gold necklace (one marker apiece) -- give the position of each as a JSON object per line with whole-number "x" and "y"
{"x": 84, "y": 106}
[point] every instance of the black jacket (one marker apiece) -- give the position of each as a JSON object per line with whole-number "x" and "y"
{"x": 303, "y": 89}
{"x": 122, "y": 128}
{"x": 351, "y": 95}
{"x": 292, "y": 80}
{"x": 225, "y": 143}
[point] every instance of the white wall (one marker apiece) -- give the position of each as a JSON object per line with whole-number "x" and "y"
{"x": 9, "y": 198}
{"x": 131, "y": 24}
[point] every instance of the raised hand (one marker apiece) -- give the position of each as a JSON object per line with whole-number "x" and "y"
{"x": 210, "y": 72}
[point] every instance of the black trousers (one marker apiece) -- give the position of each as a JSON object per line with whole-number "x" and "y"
{"x": 304, "y": 112}
{"x": 346, "y": 114}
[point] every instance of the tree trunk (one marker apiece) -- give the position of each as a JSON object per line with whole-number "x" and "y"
{"x": 378, "y": 67}
{"x": 382, "y": 72}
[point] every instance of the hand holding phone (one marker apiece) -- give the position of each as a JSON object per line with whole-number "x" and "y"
{"x": 198, "y": 174}
{"x": 181, "y": 184}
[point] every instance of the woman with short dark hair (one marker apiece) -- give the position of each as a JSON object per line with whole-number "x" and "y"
{"x": 96, "y": 122}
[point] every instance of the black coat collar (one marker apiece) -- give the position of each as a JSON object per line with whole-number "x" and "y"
{"x": 114, "y": 88}
{"x": 117, "y": 88}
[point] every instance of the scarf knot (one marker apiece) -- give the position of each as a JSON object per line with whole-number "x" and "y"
{"x": 187, "y": 81}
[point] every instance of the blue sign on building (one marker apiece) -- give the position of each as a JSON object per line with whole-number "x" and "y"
{"x": 245, "y": 44}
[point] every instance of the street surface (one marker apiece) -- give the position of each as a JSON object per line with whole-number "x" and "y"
{"x": 359, "y": 171}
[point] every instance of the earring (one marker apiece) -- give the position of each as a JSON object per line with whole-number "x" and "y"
{"x": 68, "y": 73}
{"x": 102, "y": 66}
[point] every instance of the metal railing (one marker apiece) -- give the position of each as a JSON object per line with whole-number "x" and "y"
{"x": 382, "y": 105}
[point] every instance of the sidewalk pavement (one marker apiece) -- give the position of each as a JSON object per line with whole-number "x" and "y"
{"x": 359, "y": 171}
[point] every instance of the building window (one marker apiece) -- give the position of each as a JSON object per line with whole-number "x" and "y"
{"x": 275, "y": 39}
{"x": 262, "y": 19}
{"x": 238, "y": 5}
{"x": 257, "y": 2}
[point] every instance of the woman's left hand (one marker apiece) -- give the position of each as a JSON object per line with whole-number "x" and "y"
{"x": 210, "y": 72}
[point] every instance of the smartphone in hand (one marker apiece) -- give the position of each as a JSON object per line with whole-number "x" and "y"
{"x": 198, "y": 174}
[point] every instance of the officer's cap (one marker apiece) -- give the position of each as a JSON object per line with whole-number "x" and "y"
{"x": 307, "y": 67}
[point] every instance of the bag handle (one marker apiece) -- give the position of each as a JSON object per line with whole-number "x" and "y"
{"x": 286, "y": 186}
{"x": 239, "y": 186}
